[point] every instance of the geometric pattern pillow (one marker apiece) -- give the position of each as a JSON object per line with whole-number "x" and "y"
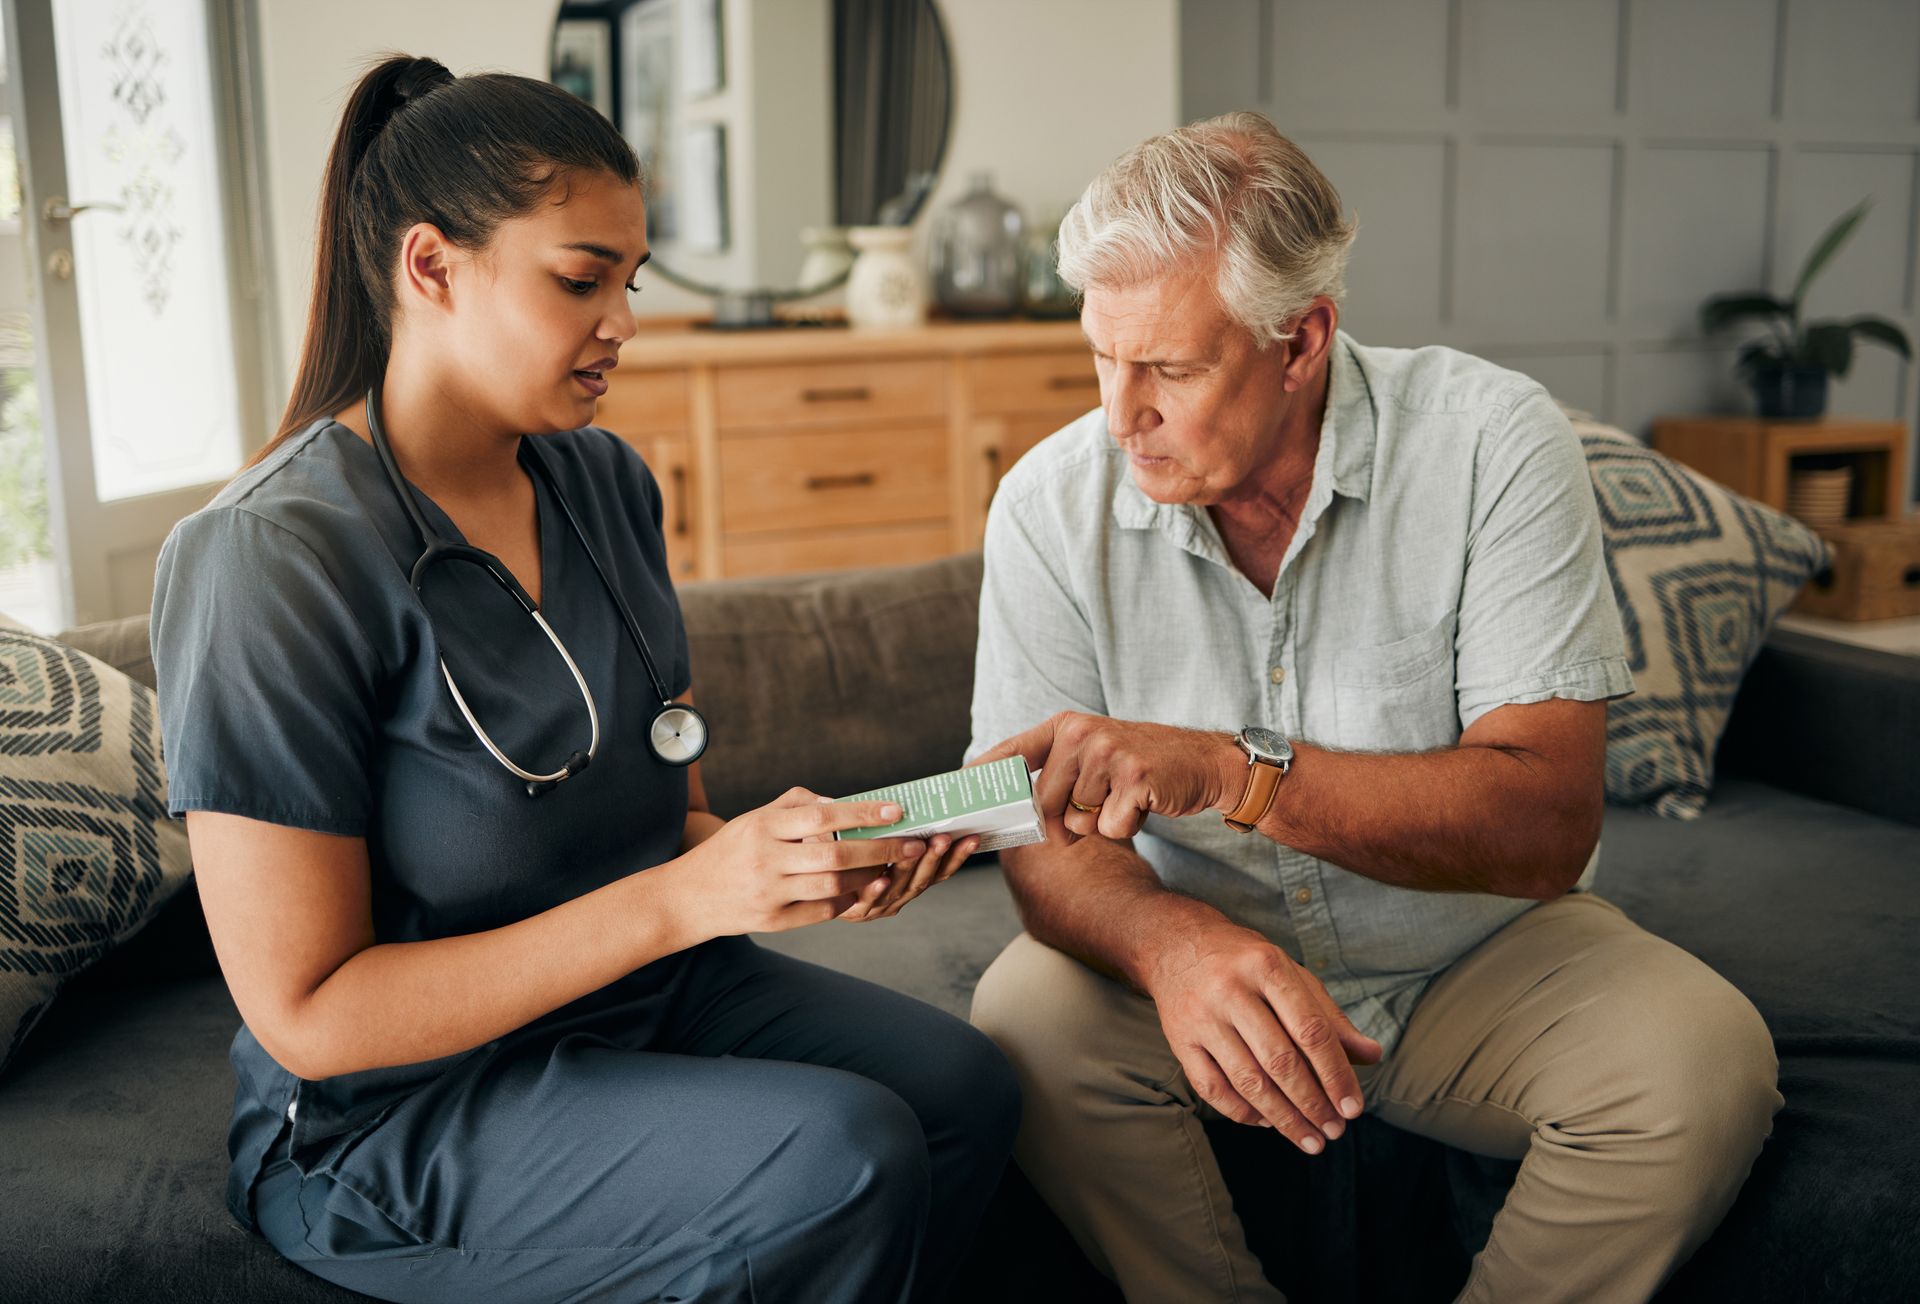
{"x": 87, "y": 852}
{"x": 1700, "y": 574}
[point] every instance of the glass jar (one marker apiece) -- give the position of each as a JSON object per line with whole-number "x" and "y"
{"x": 974, "y": 253}
{"x": 1042, "y": 292}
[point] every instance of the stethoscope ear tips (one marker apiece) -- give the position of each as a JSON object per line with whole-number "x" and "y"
{"x": 575, "y": 763}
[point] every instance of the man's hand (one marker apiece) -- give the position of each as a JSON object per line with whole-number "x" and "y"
{"x": 1258, "y": 1036}
{"x": 1106, "y": 776}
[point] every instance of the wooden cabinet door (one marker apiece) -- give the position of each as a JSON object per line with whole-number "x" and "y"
{"x": 671, "y": 459}
{"x": 653, "y": 411}
{"x": 998, "y": 443}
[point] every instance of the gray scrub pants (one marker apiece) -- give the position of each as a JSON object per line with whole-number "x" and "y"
{"x": 771, "y": 1131}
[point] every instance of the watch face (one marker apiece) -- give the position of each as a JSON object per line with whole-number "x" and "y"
{"x": 1267, "y": 745}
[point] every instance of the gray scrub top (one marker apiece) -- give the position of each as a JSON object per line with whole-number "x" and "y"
{"x": 299, "y": 684}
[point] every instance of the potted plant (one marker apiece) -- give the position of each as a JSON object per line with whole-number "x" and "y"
{"x": 1787, "y": 368}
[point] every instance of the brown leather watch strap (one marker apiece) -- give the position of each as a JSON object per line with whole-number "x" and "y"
{"x": 1263, "y": 780}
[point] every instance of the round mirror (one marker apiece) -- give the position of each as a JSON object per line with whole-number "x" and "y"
{"x": 766, "y": 128}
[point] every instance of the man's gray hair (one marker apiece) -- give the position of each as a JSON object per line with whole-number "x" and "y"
{"x": 1231, "y": 184}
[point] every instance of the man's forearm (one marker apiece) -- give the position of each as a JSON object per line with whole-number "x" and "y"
{"x": 1468, "y": 819}
{"x": 1099, "y": 902}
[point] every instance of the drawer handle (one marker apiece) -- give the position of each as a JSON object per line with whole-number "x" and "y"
{"x": 993, "y": 472}
{"x": 1073, "y": 382}
{"x": 844, "y": 394}
{"x": 858, "y": 480}
{"x": 679, "y": 500}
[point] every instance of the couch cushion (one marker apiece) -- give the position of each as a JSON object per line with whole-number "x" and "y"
{"x": 123, "y": 644}
{"x": 1699, "y": 573}
{"x": 87, "y": 853}
{"x": 1811, "y": 909}
{"x": 839, "y": 683}
{"x": 113, "y": 1174}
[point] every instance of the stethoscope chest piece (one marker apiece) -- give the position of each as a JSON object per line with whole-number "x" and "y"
{"x": 679, "y": 734}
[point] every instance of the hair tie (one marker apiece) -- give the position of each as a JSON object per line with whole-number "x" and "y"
{"x": 424, "y": 77}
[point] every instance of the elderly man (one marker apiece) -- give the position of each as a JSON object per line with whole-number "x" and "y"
{"x": 1313, "y": 643}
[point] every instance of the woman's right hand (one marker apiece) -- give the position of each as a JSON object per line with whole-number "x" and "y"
{"x": 779, "y": 867}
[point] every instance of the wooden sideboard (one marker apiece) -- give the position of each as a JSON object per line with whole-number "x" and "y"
{"x": 820, "y": 448}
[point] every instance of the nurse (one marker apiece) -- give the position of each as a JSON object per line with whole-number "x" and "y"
{"x": 504, "y": 1039}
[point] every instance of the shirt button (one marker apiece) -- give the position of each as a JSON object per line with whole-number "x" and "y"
{"x": 1321, "y": 963}
{"x": 1304, "y": 895}
{"x": 1278, "y": 674}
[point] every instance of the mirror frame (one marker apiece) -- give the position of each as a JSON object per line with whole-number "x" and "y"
{"x": 751, "y": 306}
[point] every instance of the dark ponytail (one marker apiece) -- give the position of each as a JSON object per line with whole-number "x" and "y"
{"x": 417, "y": 144}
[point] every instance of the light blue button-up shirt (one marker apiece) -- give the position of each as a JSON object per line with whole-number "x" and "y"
{"x": 1448, "y": 562}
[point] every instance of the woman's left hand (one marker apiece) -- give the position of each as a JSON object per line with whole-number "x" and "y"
{"x": 905, "y": 881}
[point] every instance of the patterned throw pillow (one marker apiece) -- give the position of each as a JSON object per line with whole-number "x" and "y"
{"x": 87, "y": 852}
{"x": 1700, "y": 574}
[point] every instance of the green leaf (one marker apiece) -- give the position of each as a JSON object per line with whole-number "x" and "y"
{"x": 1722, "y": 310}
{"x": 1828, "y": 244}
{"x": 1882, "y": 331}
{"x": 1829, "y": 346}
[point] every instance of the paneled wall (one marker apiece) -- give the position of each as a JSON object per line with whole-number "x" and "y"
{"x": 1557, "y": 184}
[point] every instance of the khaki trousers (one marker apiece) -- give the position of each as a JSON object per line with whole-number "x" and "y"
{"x": 1636, "y": 1084}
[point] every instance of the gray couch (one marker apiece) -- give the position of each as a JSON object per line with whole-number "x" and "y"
{"x": 1801, "y": 884}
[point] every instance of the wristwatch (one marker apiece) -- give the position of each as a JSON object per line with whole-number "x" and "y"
{"x": 1269, "y": 757}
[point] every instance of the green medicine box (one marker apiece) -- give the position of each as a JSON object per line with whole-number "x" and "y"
{"x": 994, "y": 801}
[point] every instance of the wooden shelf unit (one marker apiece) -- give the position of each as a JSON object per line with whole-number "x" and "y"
{"x": 819, "y": 448}
{"x": 1755, "y": 456}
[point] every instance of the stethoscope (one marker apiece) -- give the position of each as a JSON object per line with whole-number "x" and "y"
{"x": 678, "y": 734}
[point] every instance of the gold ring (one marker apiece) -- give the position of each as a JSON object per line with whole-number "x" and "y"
{"x": 1084, "y": 810}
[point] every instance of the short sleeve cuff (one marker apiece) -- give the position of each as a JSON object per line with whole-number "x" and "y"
{"x": 335, "y": 822}
{"x": 1591, "y": 681}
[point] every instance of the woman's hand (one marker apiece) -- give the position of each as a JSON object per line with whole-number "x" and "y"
{"x": 778, "y": 867}
{"x": 942, "y": 857}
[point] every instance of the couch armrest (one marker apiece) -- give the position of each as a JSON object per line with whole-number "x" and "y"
{"x": 1830, "y": 720}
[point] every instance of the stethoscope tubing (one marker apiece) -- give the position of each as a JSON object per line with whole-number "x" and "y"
{"x": 486, "y": 740}
{"x": 437, "y": 548}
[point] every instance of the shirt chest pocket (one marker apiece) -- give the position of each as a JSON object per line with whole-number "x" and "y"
{"x": 1398, "y": 696}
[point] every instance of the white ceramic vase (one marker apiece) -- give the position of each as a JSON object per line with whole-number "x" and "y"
{"x": 887, "y": 290}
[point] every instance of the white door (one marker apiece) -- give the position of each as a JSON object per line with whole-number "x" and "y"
{"x": 147, "y": 281}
